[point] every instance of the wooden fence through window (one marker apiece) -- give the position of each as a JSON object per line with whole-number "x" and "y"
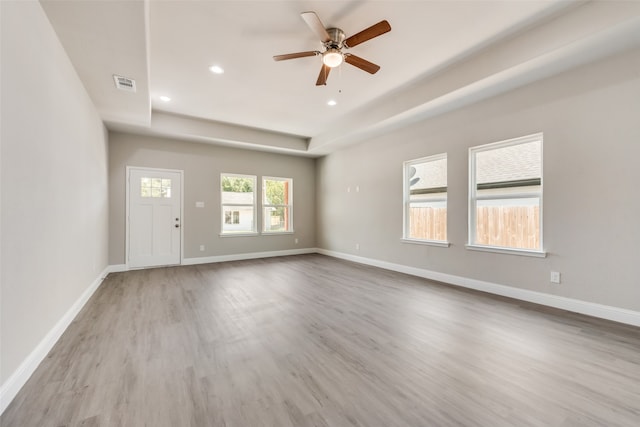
{"x": 428, "y": 223}
{"x": 507, "y": 226}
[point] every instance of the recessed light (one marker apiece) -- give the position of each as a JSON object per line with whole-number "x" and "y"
{"x": 165, "y": 98}
{"x": 332, "y": 102}
{"x": 216, "y": 69}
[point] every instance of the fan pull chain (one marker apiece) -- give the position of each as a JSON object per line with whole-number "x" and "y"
{"x": 340, "y": 79}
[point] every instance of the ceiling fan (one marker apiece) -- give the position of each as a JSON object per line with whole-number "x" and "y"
{"x": 334, "y": 42}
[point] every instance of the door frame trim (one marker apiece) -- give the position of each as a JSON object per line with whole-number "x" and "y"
{"x": 128, "y": 170}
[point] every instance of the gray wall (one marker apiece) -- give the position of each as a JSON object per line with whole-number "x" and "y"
{"x": 591, "y": 122}
{"x": 202, "y": 165}
{"x": 54, "y": 184}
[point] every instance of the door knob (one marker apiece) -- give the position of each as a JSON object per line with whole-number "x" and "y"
{"x": 177, "y": 225}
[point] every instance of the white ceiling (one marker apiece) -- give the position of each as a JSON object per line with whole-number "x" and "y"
{"x": 438, "y": 55}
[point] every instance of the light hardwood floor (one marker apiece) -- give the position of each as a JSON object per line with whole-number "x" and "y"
{"x": 314, "y": 341}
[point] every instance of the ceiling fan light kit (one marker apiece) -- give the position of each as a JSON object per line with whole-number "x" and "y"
{"x": 334, "y": 41}
{"x": 332, "y": 57}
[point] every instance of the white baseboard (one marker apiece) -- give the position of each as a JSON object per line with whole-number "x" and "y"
{"x": 252, "y": 255}
{"x": 14, "y": 383}
{"x": 117, "y": 268}
{"x": 602, "y": 311}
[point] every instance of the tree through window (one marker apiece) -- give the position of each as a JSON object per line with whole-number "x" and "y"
{"x": 277, "y": 205}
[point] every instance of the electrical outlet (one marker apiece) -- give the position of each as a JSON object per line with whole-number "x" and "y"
{"x": 296, "y": 241}
{"x": 555, "y": 277}
{"x": 201, "y": 248}
{"x": 357, "y": 246}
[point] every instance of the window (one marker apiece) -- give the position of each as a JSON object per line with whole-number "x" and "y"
{"x": 425, "y": 199}
{"x": 277, "y": 205}
{"x": 506, "y": 195}
{"x": 155, "y": 187}
{"x": 232, "y": 217}
{"x": 238, "y": 203}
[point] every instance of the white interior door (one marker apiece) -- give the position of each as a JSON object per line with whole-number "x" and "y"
{"x": 155, "y": 217}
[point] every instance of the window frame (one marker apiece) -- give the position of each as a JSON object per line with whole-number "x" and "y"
{"x": 289, "y": 206}
{"x": 406, "y": 194}
{"x": 473, "y": 198}
{"x": 254, "y": 206}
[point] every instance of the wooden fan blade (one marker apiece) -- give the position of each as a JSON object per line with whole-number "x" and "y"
{"x": 316, "y": 25}
{"x": 295, "y": 55}
{"x": 369, "y": 33}
{"x": 363, "y": 64}
{"x": 324, "y": 74}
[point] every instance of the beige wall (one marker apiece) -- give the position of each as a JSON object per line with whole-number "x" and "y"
{"x": 202, "y": 165}
{"x": 590, "y": 119}
{"x": 54, "y": 184}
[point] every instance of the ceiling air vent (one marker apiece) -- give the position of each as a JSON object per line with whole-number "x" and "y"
{"x": 124, "y": 83}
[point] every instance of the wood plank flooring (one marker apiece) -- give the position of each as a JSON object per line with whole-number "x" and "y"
{"x": 315, "y": 341}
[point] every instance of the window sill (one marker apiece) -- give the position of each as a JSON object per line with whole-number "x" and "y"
{"x": 507, "y": 251}
{"x": 238, "y": 234}
{"x": 276, "y": 233}
{"x": 426, "y": 242}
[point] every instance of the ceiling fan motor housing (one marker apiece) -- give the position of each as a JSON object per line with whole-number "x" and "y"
{"x": 337, "y": 38}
